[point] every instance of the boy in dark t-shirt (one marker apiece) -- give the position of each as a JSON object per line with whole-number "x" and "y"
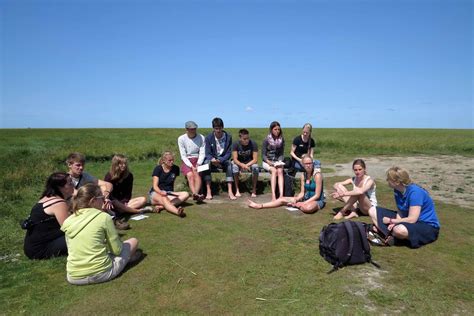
{"x": 244, "y": 158}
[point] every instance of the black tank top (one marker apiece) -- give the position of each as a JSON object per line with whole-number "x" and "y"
{"x": 45, "y": 229}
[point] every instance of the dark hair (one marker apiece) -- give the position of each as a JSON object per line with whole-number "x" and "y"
{"x": 217, "y": 122}
{"x": 359, "y": 162}
{"x": 54, "y": 184}
{"x": 75, "y": 157}
{"x": 272, "y": 125}
{"x": 243, "y": 131}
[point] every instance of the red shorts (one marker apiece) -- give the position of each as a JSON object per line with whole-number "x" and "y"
{"x": 185, "y": 169}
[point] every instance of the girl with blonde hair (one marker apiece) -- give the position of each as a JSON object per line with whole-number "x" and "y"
{"x": 311, "y": 197}
{"x": 96, "y": 253}
{"x": 162, "y": 191}
{"x": 415, "y": 222}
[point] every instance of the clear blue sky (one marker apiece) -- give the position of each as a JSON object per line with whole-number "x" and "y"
{"x": 105, "y": 63}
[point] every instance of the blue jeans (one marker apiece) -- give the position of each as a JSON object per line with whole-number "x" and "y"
{"x": 226, "y": 166}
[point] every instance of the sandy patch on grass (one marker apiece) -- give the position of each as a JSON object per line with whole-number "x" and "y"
{"x": 448, "y": 178}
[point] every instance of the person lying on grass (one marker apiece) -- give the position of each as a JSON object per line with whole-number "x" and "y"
{"x": 362, "y": 196}
{"x": 44, "y": 238}
{"x": 415, "y": 223}
{"x": 311, "y": 197}
{"x": 162, "y": 192}
{"x": 122, "y": 186}
{"x": 96, "y": 253}
{"x": 245, "y": 158}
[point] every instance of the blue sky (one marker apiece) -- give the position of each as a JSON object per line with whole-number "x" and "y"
{"x": 104, "y": 63}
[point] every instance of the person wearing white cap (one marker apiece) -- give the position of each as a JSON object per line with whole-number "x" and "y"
{"x": 192, "y": 151}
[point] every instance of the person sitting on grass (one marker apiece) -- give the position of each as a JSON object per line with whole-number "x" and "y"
{"x": 76, "y": 164}
{"x": 122, "y": 186}
{"x": 244, "y": 158}
{"x": 96, "y": 253}
{"x": 303, "y": 144}
{"x": 162, "y": 192}
{"x": 192, "y": 151}
{"x": 44, "y": 238}
{"x": 361, "y": 197}
{"x": 218, "y": 152}
{"x": 311, "y": 197}
{"x": 415, "y": 223}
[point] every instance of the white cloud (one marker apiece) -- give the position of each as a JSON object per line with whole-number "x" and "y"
{"x": 249, "y": 109}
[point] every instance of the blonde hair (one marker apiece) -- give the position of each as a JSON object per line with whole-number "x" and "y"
{"x": 398, "y": 175}
{"x": 84, "y": 196}
{"x": 163, "y": 155}
{"x": 115, "y": 171}
{"x": 75, "y": 157}
{"x": 308, "y": 125}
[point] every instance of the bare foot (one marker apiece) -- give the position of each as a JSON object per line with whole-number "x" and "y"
{"x": 351, "y": 215}
{"x": 232, "y": 197}
{"x": 208, "y": 197}
{"x": 252, "y": 204}
{"x": 274, "y": 198}
{"x": 181, "y": 212}
{"x": 237, "y": 194}
{"x": 254, "y": 195}
{"x": 338, "y": 216}
{"x": 158, "y": 208}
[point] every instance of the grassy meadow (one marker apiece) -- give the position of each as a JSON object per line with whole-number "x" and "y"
{"x": 223, "y": 255}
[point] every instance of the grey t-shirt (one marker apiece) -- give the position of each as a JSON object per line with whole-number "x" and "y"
{"x": 83, "y": 179}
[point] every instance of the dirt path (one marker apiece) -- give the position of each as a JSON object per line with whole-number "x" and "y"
{"x": 448, "y": 178}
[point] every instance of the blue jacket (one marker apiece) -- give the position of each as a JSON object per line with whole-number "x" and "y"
{"x": 211, "y": 148}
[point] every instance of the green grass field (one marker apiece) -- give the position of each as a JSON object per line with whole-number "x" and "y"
{"x": 223, "y": 256}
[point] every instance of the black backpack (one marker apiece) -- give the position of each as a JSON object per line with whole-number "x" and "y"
{"x": 344, "y": 244}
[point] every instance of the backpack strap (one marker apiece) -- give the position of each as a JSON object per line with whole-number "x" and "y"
{"x": 350, "y": 233}
{"x": 365, "y": 243}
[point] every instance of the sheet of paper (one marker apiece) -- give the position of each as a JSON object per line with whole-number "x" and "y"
{"x": 203, "y": 168}
{"x": 138, "y": 217}
{"x": 278, "y": 163}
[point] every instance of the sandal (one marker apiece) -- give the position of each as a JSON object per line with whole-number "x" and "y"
{"x": 389, "y": 241}
{"x": 375, "y": 239}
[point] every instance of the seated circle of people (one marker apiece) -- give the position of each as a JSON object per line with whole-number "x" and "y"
{"x": 121, "y": 179}
{"x": 162, "y": 191}
{"x": 362, "y": 196}
{"x": 191, "y": 147}
{"x": 44, "y": 238}
{"x": 414, "y": 224}
{"x": 244, "y": 159}
{"x": 96, "y": 253}
{"x": 273, "y": 150}
{"x": 311, "y": 197}
{"x": 303, "y": 144}
{"x": 76, "y": 163}
{"x": 218, "y": 153}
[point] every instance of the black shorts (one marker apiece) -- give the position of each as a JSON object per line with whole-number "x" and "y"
{"x": 419, "y": 233}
